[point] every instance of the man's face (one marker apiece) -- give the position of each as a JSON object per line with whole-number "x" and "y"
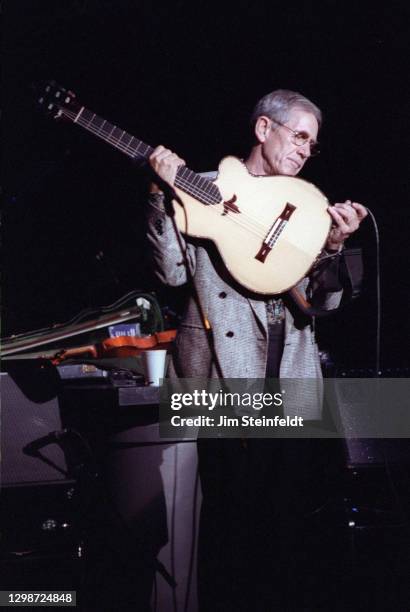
{"x": 280, "y": 154}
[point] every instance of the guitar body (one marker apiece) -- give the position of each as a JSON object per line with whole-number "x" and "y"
{"x": 241, "y": 223}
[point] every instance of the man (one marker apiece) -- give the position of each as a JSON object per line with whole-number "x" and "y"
{"x": 285, "y": 131}
{"x": 244, "y": 488}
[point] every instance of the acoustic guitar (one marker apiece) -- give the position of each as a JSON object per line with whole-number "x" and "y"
{"x": 269, "y": 230}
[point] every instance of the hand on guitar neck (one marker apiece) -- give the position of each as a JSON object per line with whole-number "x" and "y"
{"x": 165, "y": 164}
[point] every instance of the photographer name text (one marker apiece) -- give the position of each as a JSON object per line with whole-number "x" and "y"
{"x": 243, "y": 421}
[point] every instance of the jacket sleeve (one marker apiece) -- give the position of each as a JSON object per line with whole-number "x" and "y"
{"x": 334, "y": 277}
{"x": 167, "y": 250}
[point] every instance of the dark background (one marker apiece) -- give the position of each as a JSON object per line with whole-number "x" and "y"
{"x": 187, "y": 74}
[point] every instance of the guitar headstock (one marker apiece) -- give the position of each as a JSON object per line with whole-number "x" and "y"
{"x": 57, "y": 101}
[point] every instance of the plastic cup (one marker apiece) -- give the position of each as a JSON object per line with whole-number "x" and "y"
{"x": 154, "y": 366}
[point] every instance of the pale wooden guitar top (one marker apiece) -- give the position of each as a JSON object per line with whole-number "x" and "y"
{"x": 252, "y": 218}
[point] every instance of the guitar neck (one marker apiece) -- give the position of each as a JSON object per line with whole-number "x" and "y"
{"x": 115, "y": 136}
{"x": 188, "y": 181}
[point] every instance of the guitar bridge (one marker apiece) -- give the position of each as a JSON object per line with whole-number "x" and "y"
{"x": 274, "y": 232}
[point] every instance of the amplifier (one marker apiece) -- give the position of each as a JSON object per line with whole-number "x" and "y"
{"x": 38, "y": 511}
{"x": 30, "y": 417}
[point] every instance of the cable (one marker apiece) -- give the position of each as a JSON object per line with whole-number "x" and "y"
{"x": 378, "y": 294}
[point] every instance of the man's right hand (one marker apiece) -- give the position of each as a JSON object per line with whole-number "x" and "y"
{"x": 165, "y": 163}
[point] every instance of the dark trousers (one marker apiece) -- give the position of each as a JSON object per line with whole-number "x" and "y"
{"x": 263, "y": 535}
{"x": 264, "y": 527}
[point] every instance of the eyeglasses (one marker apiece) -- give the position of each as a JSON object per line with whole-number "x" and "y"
{"x": 301, "y": 138}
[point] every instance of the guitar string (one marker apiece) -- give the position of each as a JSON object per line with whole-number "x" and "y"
{"x": 128, "y": 149}
{"x": 195, "y": 182}
{"x": 208, "y": 187}
{"x": 246, "y": 221}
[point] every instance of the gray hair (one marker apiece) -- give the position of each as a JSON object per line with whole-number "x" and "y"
{"x": 278, "y": 104}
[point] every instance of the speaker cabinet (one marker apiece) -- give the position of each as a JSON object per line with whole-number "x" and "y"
{"x": 30, "y": 415}
{"x": 37, "y": 496}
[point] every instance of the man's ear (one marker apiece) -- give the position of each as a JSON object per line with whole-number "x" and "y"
{"x": 262, "y": 128}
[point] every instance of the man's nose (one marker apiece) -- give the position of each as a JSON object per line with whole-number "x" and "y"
{"x": 304, "y": 150}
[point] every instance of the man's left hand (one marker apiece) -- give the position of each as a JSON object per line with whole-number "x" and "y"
{"x": 347, "y": 217}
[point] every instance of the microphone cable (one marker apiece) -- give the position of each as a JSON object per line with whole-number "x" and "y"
{"x": 378, "y": 295}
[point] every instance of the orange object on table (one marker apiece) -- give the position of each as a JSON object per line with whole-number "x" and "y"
{"x": 122, "y": 346}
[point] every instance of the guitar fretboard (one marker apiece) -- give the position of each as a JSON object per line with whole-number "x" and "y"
{"x": 190, "y": 182}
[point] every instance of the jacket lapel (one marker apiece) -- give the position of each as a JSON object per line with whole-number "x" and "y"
{"x": 259, "y": 310}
